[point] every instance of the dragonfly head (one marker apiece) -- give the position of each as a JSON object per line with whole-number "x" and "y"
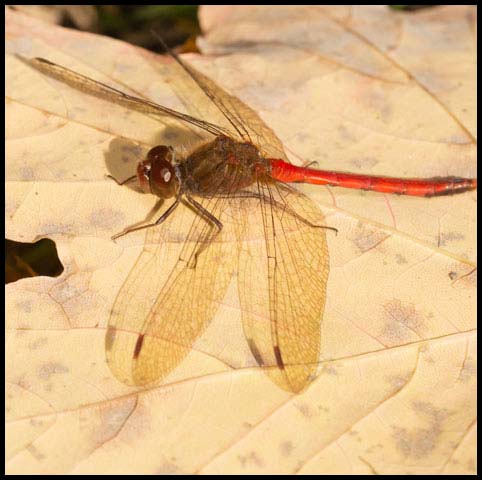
{"x": 157, "y": 174}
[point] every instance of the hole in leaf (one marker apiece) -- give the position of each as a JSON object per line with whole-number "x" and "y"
{"x": 23, "y": 260}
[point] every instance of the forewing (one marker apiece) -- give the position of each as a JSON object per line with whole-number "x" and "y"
{"x": 169, "y": 298}
{"x": 219, "y": 112}
{"x": 105, "y": 92}
{"x": 204, "y": 98}
{"x": 283, "y": 274}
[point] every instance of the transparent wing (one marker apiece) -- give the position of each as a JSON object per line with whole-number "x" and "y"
{"x": 171, "y": 293}
{"x": 220, "y": 112}
{"x": 283, "y": 274}
{"x": 98, "y": 89}
{"x": 203, "y": 97}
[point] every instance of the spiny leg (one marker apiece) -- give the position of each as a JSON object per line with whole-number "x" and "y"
{"x": 279, "y": 205}
{"x": 127, "y": 180}
{"x": 161, "y": 219}
{"x": 208, "y": 216}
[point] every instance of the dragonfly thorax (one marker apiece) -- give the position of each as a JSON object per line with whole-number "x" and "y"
{"x": 222, "y": 166}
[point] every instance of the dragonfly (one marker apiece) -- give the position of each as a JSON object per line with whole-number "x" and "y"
{"x": 241, "y": 216}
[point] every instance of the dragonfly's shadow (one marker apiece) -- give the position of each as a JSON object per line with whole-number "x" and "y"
{"x": 123, "y": 155}
{"x": 121, "y": 159}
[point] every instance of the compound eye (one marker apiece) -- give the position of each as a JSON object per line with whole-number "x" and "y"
{"x": 161, "y": 174}
{"x": 161, "y": 152}
{"x": 162, "y": 178}
{"x": 156, "y": 173}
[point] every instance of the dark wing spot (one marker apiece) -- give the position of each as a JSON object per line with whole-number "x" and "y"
{"x": 279, "y": 360}
{"x": 137, "y": 350}
{"x": 255, "y": 352}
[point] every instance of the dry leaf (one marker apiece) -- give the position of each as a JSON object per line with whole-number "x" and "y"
{"x": 361, "y": 89}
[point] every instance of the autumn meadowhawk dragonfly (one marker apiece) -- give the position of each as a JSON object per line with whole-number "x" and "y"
{"x": 240, "y": 216}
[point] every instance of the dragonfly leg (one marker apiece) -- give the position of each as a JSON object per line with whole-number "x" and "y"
{"x": 161, "y": 219}
{"x": 285, "y": 207}
{"x": 127, "y": 180}
{"x": 310, "y": 163}
{"x": 200, "y": 210}
{"x": 280, "y": 206}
